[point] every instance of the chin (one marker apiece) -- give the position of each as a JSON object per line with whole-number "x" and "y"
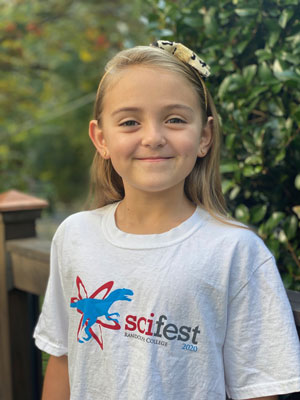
{"x": 155, "y": 187}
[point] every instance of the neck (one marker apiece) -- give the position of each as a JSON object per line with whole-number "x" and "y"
{"x": 144, "y": 213}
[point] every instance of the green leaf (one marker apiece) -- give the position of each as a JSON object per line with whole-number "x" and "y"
{"x": 210, "y": 23}
{"x": 227, "y": 185}
{"x": 295, "y": 112}
{"x": 294, "y": 39}
{"x": 239, "y": 116}
{"x": 258, "y": 136}
{"x": 224, "y": 86}
{"x": 228, "y": 52}
{"x": 249, "y": 73}
{"x": 264, "y": 72}
{"x": 242, "y": 213}
{"x": 257, "y": 213}
{"x": 165, "y": 33}
{"x": 296, "y": 210}
{"x": 193, "y": 22}
{"x": 230, "y": 84}
{"x": 285, "y": 17}
{"x": 289, "y": 124}
{"x": 264, "y": 54}
{"x": 297, "y": 182}
{"x": 248, "y": 170}
{"x": 234, "y": 192}
{"x": 262, "y": 230}
{"x": 291, "y": 58}
{"x": 274, "y": 220}
{"x": 241, "y": 46}
{"x": 284, "y": 75}
{"x": 280, "y": 156}
{"x": 253, "y": 160}
{"x": 230, "y": 139}
{"x": 273, "y": 245}
{"x": 229, "y": 166}
{"x": 161, "y": 4}
{"x": 249, "y": 145}
{"x": 256, "y": 91}
{"x": 277, "y": 87}
{"x": 282, "y": 236}
{"x": 288, "y": 2}
{"x": 288, "y": 75}
{"x": 274, "y": 12}
{"x": 287, "y": 281}
{"x": 273, "y": 37}
{"x": 290, "y": 227}
{"x": 276, "y": 107}
{"x": 246, "y": 12}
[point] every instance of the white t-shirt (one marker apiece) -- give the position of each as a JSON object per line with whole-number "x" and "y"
{"x": 188, "y": 314}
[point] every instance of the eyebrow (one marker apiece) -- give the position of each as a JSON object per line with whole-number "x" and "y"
{"x": 137, "y": 109}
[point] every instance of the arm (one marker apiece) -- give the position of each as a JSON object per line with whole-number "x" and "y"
{"x": 56, "y": 383}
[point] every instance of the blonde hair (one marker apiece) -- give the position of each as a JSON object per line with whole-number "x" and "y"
{"x": 203, "y": 184}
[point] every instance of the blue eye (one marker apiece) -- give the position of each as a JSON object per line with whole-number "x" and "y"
{"x": 176, "y": 121}
{"x": 129, "y": 123}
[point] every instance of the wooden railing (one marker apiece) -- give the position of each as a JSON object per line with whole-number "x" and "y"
{"x": 24, "y": 270}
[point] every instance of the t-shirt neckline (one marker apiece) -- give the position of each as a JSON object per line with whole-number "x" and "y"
{"x": 175, "y": 235}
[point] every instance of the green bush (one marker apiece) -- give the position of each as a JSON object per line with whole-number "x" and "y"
{"x": 253, "y": 48}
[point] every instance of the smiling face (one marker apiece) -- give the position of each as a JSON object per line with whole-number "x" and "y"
{"x": 151, "y": 128}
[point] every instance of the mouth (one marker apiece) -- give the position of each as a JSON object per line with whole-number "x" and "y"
{"x": 153, "y": 159}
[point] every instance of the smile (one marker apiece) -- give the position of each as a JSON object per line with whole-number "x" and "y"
{"x": 154, "y": 159}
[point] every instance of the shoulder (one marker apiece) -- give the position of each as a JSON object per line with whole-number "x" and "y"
{"x": 81, "y": 223}
{"x": 237, "y": 246}
{"x": 232, "y": 232}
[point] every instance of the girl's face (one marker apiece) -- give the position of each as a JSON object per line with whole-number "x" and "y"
{"x": 151, "y": 129}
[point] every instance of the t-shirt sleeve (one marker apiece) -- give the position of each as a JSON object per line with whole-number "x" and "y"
{"x": 261, "y": 349}
{"x": 51, "y": 332}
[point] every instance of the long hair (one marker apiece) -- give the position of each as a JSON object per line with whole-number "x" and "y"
{"x": 203, "y": 185}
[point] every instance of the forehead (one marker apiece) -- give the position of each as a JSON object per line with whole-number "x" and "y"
{"x": 148, "y": 82}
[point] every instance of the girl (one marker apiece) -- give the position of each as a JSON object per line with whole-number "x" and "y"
{"x": 155, "y": 294}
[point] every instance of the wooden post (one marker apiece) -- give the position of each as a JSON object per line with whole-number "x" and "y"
{"x": 294, "y": 298}
{"x": 5, "y": 365}
{"x": 19, "y": 360}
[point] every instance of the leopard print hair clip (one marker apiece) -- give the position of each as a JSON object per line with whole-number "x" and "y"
{"x": 187, "y": 56}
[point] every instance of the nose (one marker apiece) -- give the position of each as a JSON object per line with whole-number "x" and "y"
{"x": 153, "y": 136}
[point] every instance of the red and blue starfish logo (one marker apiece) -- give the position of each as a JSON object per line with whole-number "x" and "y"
{"x": 93, "y": 309}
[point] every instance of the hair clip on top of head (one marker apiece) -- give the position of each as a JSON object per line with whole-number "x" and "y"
{"x": 185, "y": 55}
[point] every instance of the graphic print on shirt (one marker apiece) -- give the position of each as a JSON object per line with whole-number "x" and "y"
{"x": 93, "y": 309}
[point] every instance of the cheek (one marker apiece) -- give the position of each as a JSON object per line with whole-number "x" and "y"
{"x": 120, "y": 152}
{"x": 120, "y": 147}
{"x": 188, "y": 146}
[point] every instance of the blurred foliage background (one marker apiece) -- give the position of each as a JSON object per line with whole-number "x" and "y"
{"x": 52, "y": 56}
{"x": 51, "y": 60}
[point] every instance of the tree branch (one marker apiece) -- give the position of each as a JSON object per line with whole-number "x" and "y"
{"x": 293, "y": 254}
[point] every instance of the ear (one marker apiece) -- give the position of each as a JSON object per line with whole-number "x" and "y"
{"x": 96, "y": 135}
{"x": 206, "y": 138}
